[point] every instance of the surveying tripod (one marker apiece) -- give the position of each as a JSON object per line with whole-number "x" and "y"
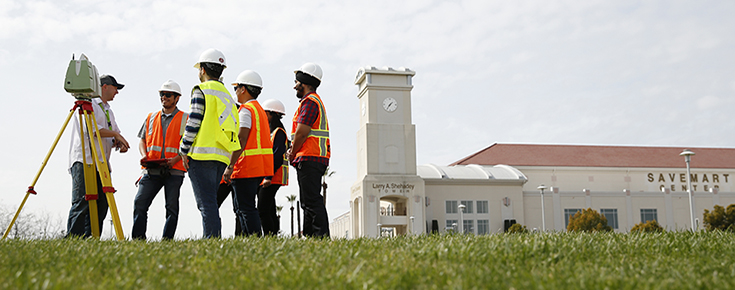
{"x": 86, "y": 117}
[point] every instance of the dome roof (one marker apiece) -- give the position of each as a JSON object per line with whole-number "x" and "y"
{"x": 472, "y": 171}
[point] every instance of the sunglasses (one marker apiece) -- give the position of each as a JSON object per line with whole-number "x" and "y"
{"x": 168, "y": 94}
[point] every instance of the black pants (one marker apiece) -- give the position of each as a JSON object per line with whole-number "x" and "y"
{"x": 316, "y": 222}
{"x": 222, "y": 192}
{"x": 267, "y": 209}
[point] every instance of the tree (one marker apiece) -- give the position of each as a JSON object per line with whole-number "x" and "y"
{"x": 40, "y": 225}
{"x": 327, "y": 173}
{"x": 517, "y": 229}
{"x": 291, "y": 199}
{"x": 720, "y": 218}
{"x": 651, "y": 226}
{"x": 588, "y": 220}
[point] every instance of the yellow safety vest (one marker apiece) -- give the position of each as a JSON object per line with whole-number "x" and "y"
{"x": 218, "y": 133}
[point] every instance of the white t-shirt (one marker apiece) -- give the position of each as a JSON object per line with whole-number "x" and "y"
{"x": 75, "y": 148}
{"x": 246, "y": 121}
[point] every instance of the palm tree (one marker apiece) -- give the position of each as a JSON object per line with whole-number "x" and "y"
{"x": 278, "y": 212}
{"x": 327, "y": 173}
{"x": 291, "y": 199}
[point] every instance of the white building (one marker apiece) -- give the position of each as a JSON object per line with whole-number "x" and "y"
{"x": 499, "y": 185}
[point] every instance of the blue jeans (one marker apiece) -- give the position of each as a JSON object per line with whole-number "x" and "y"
{"x": 244, "y": 192}
{"x": 316, "y": 222}
{"x": 148, "y": 188}
{"x": 205, "y": 177}
{"x": 78, "y": 223}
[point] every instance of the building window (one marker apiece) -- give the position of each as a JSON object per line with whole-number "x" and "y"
{"x": 469, "y": 226}
{"x": 467, "y": 206}
{"x": 451, "y": 206}
{"x": 568, "y": 214}
{"x": 483, "y": 226}
{"x": 611, "y": 214}
{"x": 482, "y": 207}
{"x": 451, "y": 225}
{"x": 649, "y": 214}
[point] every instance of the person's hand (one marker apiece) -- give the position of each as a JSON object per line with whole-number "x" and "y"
{"x": 266, "y": 182}
{"x": 172, "y": 161}
{"x": 227, "y": 175}
{"x": 289, "y": 155}
{"x": 121, "y": 144}
{"x": 185, "y": 160}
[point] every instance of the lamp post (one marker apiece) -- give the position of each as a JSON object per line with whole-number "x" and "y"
{"x": 543, "y": 215}
{"x": 688, "y": 157}
{"x": 410, "y": 231}
{"x": 461, "y": 216}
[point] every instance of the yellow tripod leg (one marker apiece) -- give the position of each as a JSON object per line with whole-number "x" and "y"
{"x": 40, "y": 170}
{"x": 107, "y": 188}
{"x": 90, "y": 175}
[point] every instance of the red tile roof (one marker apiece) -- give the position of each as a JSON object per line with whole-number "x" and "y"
{"x": 599, "y": 156}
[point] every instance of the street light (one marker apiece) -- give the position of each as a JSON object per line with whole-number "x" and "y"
{"x": 688, "y": 157}
{"x": 461, "y": 216}
{"x": 412, "y": 218}
{"x": 543, "y": 216}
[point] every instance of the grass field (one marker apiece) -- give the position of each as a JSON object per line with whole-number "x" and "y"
{"x": 682, "y": 260}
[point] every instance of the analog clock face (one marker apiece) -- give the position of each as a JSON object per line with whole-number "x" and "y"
{"x": 390, "y": 104}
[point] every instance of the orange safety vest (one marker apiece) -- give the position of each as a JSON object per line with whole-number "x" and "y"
{"x": 159, "y": 145}
{"x": 317, "y": 143}
{"x": 256, "y": 159}
{"x": 281, "y": 175}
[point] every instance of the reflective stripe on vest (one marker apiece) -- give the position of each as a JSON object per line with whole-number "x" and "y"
{"x": 161, "y": 144}
{"x": 317, "y": 142}
{"x": 281, "y": 175}
{"x": 256, "y": 159}
{"x": 217, "y": 136}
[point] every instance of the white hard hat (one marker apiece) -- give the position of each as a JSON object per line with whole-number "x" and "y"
{"x": 249, "y": 77}
{"x": 170, "y": 86}
{"x": 274, "y": 105}
{"x": 212, "y": 56}
{"x": 311, "y": 69}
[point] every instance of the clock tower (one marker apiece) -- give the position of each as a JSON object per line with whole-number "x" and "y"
{"x": 388, "y": 198}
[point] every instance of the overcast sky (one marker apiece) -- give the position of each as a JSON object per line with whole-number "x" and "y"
{"x": 540, "y": 72}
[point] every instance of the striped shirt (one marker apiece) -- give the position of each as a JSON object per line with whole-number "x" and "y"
{"x": 198, "y": 104}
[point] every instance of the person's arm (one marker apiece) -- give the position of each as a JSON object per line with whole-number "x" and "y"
{"x": 243, "y": 136}
{"x": 308, "y": 113}
{"x": 279, "y": 149}
{"x": 120, "y": 141}
{"x": 302, "y": 131}
{"x": 142, "y": 148}
{"x": 246, "y": 123}
{"x": 193, "y": 124}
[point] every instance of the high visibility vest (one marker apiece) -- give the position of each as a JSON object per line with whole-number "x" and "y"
{"x": 281, "y": 175}
{"x": 317, "y": 142}
{"x": 256, "y": 159}
{"x": 161, "y": 144}
{"x": 217, "y": 137}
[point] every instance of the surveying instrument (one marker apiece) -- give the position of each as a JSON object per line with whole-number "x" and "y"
{"x": 83, "y": 82}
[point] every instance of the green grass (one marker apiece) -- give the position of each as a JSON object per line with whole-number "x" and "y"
{"x": 682, "y": 260}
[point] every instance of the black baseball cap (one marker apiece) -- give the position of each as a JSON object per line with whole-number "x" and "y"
{"x": 110, "y": 80}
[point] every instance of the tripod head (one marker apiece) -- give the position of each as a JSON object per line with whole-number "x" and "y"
{"x": 82, "y": 79}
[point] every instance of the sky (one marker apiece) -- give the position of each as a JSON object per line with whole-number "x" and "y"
{"x": 647, "y": 73}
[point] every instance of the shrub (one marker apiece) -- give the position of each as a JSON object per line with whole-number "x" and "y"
{"x": 651, "y": 226}
{"x": 517, "y": 228}
{"x": 720, "y": 219}
{"x": 588, "y": 220}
